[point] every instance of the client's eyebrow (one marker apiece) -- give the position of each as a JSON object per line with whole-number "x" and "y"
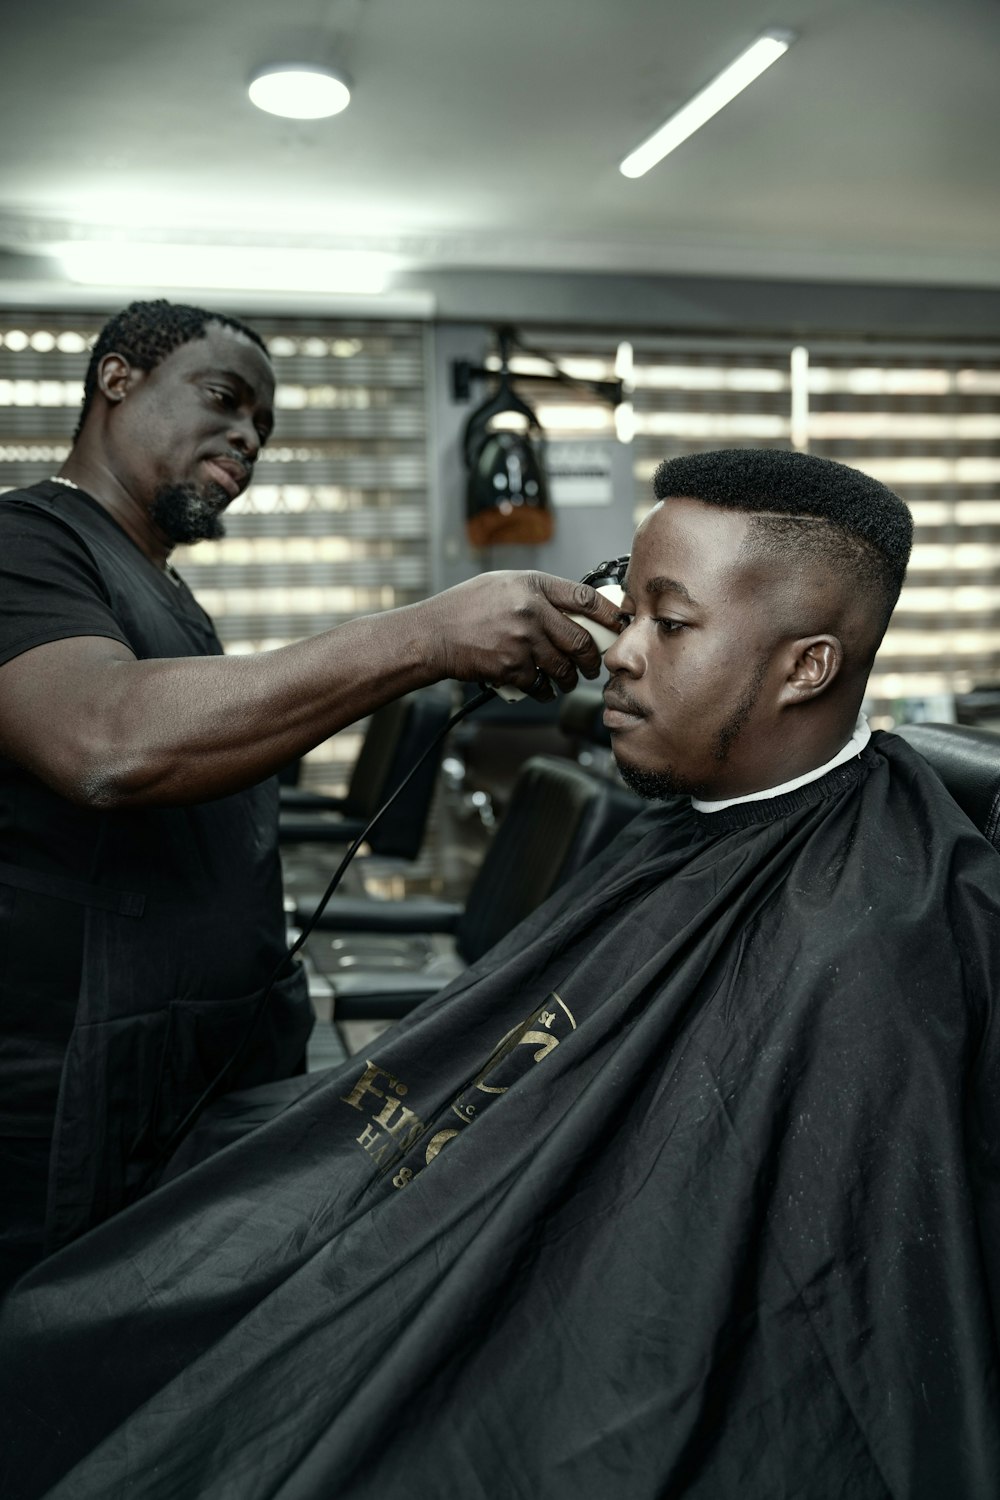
{"x": 656, "y": 586}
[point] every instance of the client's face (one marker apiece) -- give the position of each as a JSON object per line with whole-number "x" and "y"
{"x": 689, "y": 674}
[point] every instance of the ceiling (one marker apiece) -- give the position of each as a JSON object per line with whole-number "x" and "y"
{"x": 488, "y": 135}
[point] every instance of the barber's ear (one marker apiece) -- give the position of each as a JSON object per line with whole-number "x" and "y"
{"x": 116, "y": 377}
{"x": 813, "y": 665}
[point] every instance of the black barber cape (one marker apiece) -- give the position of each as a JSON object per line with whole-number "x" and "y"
{"x": 690, "y": 1188}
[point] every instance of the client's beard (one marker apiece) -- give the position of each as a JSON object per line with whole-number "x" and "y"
{"x": 190, "y": 512}
{"x": 654, "y": 786}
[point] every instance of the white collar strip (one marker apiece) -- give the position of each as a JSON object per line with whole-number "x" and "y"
{"x": 859, "y": 739}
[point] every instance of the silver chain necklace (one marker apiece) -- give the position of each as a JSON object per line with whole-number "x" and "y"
{"x": 170, "y": 571}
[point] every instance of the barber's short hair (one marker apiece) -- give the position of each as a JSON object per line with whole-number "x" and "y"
{"x": 806, "y": 507}
{"x": 147, "y": 332}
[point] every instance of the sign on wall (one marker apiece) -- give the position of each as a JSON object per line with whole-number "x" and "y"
{"x": 580, "y": 472}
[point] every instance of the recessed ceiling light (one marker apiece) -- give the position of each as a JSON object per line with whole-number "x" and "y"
{"x": 768, "y": 47}
{"x": 300, "y": 91}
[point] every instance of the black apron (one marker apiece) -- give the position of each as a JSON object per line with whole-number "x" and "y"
{"x": 182, "y": 924}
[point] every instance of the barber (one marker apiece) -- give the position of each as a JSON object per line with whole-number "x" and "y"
{"x": 140, "y": 894}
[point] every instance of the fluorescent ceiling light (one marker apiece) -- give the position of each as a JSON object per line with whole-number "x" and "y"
{"x": 227, "y": 267}
{"x": 300, "y": 91}
{"x": 714, "y": 96}
{"x": 625, "y": 411}
{"x": 799, "y": 382}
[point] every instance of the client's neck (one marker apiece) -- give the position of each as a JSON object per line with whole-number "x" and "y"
{"x": 794, "y": 764}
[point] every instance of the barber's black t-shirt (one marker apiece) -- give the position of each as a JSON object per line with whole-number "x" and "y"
{"x": 52, "y": 588}
{"x": 136, "y": 943}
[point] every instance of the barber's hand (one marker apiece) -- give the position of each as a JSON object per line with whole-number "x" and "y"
{"x": 507, "y": 628}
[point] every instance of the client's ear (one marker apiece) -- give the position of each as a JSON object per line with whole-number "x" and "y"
{"x": 813, "y": 663}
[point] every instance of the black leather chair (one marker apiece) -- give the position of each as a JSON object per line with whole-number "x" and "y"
{"x": 968, "y": 762}
{"x": 558, "y": 818}
{"x": 979, "y": 706}
{"x": 395, "y": 737}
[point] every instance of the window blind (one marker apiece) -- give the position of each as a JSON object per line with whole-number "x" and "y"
{"x": 924, "y": 419}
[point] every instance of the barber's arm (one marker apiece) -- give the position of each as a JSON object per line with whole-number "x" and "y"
{"x": 108, "y": 731}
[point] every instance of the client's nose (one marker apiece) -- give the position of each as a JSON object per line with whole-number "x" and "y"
{"x": 624, "y": 655}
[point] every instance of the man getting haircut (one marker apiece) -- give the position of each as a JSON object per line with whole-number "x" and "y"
{"x": 810, "y": 547}
{"x": 690, "y": 1188}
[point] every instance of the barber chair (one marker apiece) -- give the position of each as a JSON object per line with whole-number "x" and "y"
{"x": 395, "y": 737}
{"x": 979, "y": 706}
{"x": 558, "y": 818}
{"x": 968, "y": 762}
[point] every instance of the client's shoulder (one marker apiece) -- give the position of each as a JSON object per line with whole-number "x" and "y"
{"x": 950, "y": 774}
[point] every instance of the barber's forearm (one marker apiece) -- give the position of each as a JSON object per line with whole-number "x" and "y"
{"x": 192, "y": 729}
{"x": 107, "y": 730}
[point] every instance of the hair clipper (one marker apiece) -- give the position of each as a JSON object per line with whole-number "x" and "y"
{"x": 607, "y": 578}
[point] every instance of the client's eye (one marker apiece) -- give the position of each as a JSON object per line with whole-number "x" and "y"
{"x": 624, "y": 620}
{"x": 670, "y": 627}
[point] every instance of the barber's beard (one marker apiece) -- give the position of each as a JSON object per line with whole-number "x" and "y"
{"x": 654, "y": 786}
{"x": 190, "y": 512}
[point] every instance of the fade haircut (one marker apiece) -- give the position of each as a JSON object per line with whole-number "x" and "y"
{"x": 804, "y": 508}
{"x": 147, "y": 332}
